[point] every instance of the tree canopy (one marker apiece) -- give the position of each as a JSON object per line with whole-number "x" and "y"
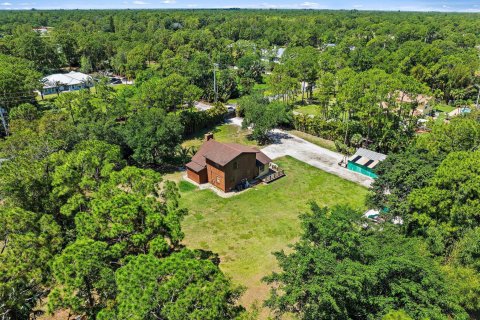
{"x": 346, "y": 269}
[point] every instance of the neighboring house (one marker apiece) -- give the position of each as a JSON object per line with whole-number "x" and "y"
{"x": 225, "y": 165}
{"x": 278, "y": 54}
{"x": 423, "y": 102}
{"x": 325, "y": 46}
{"x": 423, "y": 106}
{"x": 364, "y": 161}
{"x": 43, "y": 31}
{"x": 66, "y": 82}
{"x": 274, "y": 54}
{"x": 460, "y": 111}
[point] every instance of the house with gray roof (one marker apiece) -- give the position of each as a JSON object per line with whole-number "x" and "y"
{"x": 71, "y": 81}
{"x": 364, "y": 161}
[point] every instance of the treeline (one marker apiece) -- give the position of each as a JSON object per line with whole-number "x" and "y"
{"x": 349, "y": 63}
{"x": 86, "y": 225}
{"x": 436, "y": 49}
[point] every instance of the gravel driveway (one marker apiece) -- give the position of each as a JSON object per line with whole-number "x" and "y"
{"x": 286, "y": 144}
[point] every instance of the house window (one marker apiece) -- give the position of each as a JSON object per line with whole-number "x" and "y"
{"x": 218, "y": 179}
{"x": 235, "y": 165}
{"x": 261, "y": 168}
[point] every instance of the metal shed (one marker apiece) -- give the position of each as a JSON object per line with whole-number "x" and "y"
{"x": 364, "y": 161}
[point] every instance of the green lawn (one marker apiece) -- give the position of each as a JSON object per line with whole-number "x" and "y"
{"x": 311, "y": 109}
{"x": 260, "y": 87}
{"x": 222, "y": 133}
{"x": 444, "y": 108}
{"x": 245, "y": 229}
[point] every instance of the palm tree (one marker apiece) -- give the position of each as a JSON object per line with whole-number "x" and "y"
{"x": 58, "y": 84}
{"x": 185, "y": 154}
{"x": 87, "y": 83}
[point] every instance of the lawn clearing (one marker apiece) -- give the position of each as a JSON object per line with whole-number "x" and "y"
{"x": 311, "y": 109}
{"x": 245, "y": 229}
{"x": 444, "y": 108}
{"x": 222, "y": 133}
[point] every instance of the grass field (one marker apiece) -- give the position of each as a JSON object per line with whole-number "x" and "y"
{"x": 221, "y": 133}
{"x": 444, "y": 108}
{"x": 245, "y": 229}
{"x": 311, "y": 109}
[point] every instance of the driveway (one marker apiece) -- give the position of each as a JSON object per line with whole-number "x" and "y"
{"x": 202, "y": 106}
{"x": 286, "y": 144}
{"x": 236, "y": 121}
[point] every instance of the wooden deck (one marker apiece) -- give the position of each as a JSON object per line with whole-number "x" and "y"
{"x": 273, "y": 176}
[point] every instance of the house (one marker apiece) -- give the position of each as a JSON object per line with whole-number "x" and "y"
{"x": 460, "y": 111}
{"x": 422, "y": 102}
{"x": 66, "y": 82}
{"x": 364, "y": 161}
{"x": 274, "y": 55}
{"x": 41, "y": 29}
{"x": 226, "y": 165}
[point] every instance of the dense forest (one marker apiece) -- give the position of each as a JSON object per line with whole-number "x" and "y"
{"x": 356, "y": 60}
{"x": 88, "y": 223}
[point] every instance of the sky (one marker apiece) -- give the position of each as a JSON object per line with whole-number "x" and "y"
{"x": 406, "y": 5}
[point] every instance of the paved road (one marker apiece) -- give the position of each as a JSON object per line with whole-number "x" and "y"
{"x": 286, "y": 144}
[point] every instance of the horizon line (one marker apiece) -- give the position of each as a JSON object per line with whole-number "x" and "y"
{"x": 242, "y": 8}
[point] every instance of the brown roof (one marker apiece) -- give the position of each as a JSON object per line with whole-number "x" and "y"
{"x": 263, "y": 158}
{"x": 402, "y": 97}
{"x": 222, "y": 154}
{"x": 421, "y": 99}
{"x": 195, "y": 166}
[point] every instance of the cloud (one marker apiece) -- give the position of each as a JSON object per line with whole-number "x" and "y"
{"x": 140, "y": 2}
{"x": 308, "y": 4}
{"x": 5, "y": 4}
{"x": 169, "y": 1}
{"x": 192, "y": 5}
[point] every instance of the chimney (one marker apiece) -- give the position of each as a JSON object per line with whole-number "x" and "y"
{"x": 208, "y": 136}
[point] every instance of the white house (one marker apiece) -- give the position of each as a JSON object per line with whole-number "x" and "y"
{"x": 274, "y": 54}
{"x": 66, "y": 82}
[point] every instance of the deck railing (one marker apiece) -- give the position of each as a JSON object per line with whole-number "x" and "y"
{"x": 273, "y": 176}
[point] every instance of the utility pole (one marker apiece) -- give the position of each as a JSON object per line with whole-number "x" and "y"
{"x": 215, "y": 65}
{"x": 4, "y": 122}
{"x": 478, "y": 95}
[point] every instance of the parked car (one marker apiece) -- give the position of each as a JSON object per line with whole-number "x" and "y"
{"x": 114, "y": 80}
